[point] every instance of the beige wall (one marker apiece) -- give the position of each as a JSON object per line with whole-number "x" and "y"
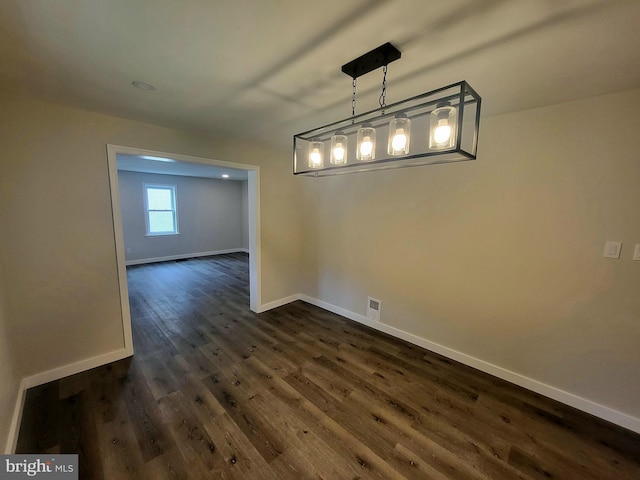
{"x": 57, "y": 233}
{"x": 501, "y": 258}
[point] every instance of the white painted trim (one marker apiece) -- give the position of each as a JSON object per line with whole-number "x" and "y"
{"x": 73, "y": 368}
{"x": 278, "y": 303}
{"x": 593, "y": 408}
{"x": 338, "y": 310}
{"x": 116, "y": 213}
{"x": 50, "y": 376}
{"x": 255, "y": 250}
{"x": 14, "y": 428}
{"x": 185, "y": 255}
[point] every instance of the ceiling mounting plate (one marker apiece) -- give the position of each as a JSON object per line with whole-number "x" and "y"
{"x": 370, "y": 61}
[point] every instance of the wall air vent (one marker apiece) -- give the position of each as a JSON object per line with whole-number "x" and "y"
{"x": 373, "y": 309}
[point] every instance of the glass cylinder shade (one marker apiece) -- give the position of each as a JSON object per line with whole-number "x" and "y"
{"x": 442, "y": 127}
{"x": 316, "y": 154}
{"x": 399, "y": 135}
{"x": 338, "y": 149}
{"x": 366, "y": 143}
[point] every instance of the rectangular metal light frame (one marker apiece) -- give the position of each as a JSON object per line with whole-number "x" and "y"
{"x": 418, "y": 108}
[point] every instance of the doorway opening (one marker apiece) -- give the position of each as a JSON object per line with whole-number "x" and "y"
{"x": 173, "y": 162}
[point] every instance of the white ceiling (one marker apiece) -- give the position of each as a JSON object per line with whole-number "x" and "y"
{"x": 169, "y": 166}
{"x": 266, "y": 69}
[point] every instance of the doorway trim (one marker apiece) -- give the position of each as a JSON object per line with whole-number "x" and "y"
{"x": 253, "y": 174}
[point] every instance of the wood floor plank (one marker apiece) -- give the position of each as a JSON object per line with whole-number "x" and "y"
{"x": 77, "y": 414}
{"x": 196, "y": 448}
{"x": 217, "y": 391}
{"x": 331, "y": 432}
{"x": 122, "y": 458}
{"x": 242, "y": 461}
{"x": 238, "y": 406}
{"x": 171, "y": 465}
{"x": 153, "y": 439}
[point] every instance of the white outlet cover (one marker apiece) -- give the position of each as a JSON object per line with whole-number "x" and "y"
{"x": 612, "y": 249}
{"x": 636, "y": 252}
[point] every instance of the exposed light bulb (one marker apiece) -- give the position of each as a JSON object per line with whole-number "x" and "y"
{"x": 338, "y": 153}
{"x": 442, "y": 132}
{"x": 366, "y": 147}
{"x": 399, "y": 141}
{"x": 315, "y": 157}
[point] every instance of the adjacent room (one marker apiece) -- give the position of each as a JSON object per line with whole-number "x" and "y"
{"x": 212, "y": 203}
{"x": 190, "y": 289}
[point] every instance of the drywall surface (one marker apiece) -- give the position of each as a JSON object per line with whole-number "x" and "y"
{"x": 501, "y": 258}
{"x": 209, "y": 215}
{"x": 63, "y": 301}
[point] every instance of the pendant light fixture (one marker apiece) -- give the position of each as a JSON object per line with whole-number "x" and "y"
{"x": 440, "y": 126}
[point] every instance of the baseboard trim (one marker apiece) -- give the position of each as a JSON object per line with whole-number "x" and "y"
{"x": 49, "y": 376}
{"x": 278, "y": 303}
{"x": 606, "y": 413}
{"x": 14, "y": 427}
{"x": 338, "y": 310}
{"x": 184, "y": 256}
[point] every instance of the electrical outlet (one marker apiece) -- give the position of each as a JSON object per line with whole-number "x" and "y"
{"x": 373, "y": 309}
{"x": 128, "y": 250}
{"x": 636, "y": 252}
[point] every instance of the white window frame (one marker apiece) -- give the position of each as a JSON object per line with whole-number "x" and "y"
{"x": 174, "y": 195}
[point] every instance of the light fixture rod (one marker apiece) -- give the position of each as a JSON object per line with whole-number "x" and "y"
{"x": 375, "y": 121}
{"x": 394, "y": 163}
{"x": 462, "y": 84}
{"x": 370, "y": 61}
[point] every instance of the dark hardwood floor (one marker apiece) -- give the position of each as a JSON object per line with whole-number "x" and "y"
{"x": 216, "y": 391}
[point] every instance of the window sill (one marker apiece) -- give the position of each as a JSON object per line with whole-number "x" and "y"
{"x": 162, "y": 234}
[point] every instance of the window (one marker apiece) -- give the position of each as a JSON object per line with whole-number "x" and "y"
{"x": 160, "y": 203}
